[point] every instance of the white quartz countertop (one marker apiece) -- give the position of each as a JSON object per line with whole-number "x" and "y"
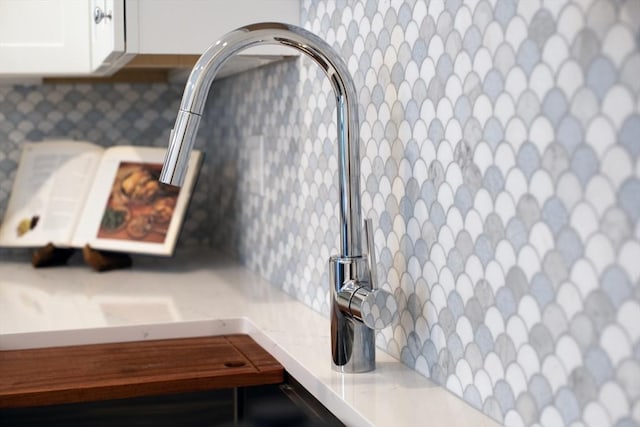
{"x": 199, "y": 294}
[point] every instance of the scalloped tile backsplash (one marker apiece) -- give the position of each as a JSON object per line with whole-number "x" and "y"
{"x": 500, "y": 145}
{"x": 120, "y": 114}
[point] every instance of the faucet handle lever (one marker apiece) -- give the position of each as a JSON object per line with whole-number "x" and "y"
{"x": 375, "y": 308}
{"x": 371, "y": 253}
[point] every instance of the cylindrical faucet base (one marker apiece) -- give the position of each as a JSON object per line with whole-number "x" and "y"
{"x": 352, "y": 342}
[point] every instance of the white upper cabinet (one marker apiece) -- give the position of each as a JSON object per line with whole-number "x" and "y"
{"x": 49, "y": 36}
{"x": 96, "y": 37}
{"x": 191, "y": 26}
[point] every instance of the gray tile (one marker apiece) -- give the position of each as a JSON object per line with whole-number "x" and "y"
{"x": 554, "y": 268}
{"x": 504, "y": 58}
{"x": 569, "y": 245}
{"x": 492, "y": 408}
{"x": 472, "y": 396}
{"x": 472, "y": 178}
{"x": 494, "y": 229}
{"x": 542, "y": 27}
{"x": 626, "y": 422}
{"x": 585, "y": 47}
{"x": 554, "y": 106}
{"x": 493, "y": 133}
{"x": 474, "y": 313}
{"x": 437, "y": 215}
{"x": 570, "y": 134}
{"x": 493, "y": 181}
{"x": 472, "y": 40}
{"x": 599, "y": 309}
{"x": 446, "y": 366}
{"x": 463, "y": 199}
{"x": 540, "y": 391}
{"x": 555, "y": 320}
{"x": 463, "y": 109}
{"x": 615, "y": 225}
{"x": 555, "y": 160}
{"x": 464, "y": 244}
{"x": 628, "y": 376}
{"x": 583, "y": 385}
{"x": 444, "y": 24}
{"x": 568, "y": 406}
{"x": 528, "y": 55}
{"x": 455, "y": 262}
{"x": 483, "y": 338}
{"x": 601, "y": 76}
{"x": 616, "y": 285}
{"x": 598, "y": 366}
{"x": 584, "y": 164}
{"x": 628, "y": 134}
{"x": 583, "y": 331}
{"x": 482, "y": 15}
{"x": 506, "y": 302}
{"x": 484, "y": 294}
{"x": 517, "y": 282}
{"x": 527, "y": 408}
{"x": 529, "y": 212}
{"x": 484, "y": 249}
{"x": 517, "y": 233}
{"x": 555, "y": 214}
{"x": 436, "y": 132}
{"x": 453, "y": 45}
{"x": 528, "y": 107}
{"x": 493, "y": 84}
{"x": 629, "y": 200}
{"x": 505, "y": 349}
{"x": 504, "y": 11}
{"x": 455, "y": 304}
{"x": 504, "y": 396}
{"x": 455, "y": 347}
{"x": 629, "y": 71}
{"x": 584, "y": 106}
{"x": 528, "y": 159}
{"x": 601, "y": 16}
{"x": 453, "y": 5}
{"x": 542, "y": 289}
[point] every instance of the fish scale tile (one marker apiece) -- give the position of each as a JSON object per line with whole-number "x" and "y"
{"x": 501, "y": 167}
{"x": 104, "y": 114}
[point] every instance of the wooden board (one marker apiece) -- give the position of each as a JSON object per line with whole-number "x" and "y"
{"x": 55, "y": 375}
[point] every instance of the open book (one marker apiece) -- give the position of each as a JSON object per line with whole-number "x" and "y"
{"x": 72, "y": 193}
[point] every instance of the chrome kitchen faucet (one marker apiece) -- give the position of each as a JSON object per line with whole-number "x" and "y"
{"x": 357, "y": 306}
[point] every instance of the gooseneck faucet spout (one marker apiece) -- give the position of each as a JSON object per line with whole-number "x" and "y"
{"x": 206, "y": 69}
{"x": 351, "y": 287}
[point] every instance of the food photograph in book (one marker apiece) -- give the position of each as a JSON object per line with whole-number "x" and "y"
{"x": 139, "y": 207}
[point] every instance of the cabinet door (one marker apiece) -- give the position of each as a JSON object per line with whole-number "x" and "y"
{"x": 44, "y": 37}
{"x": 107, "y": 34}
{"x": 189, "y": 27}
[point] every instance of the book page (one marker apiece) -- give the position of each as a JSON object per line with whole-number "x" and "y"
{"x": 128, "y": 209}
{"x": 48, "y": 194}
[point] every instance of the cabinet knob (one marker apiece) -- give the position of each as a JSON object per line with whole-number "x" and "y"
{"x": 99, "y": 15}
